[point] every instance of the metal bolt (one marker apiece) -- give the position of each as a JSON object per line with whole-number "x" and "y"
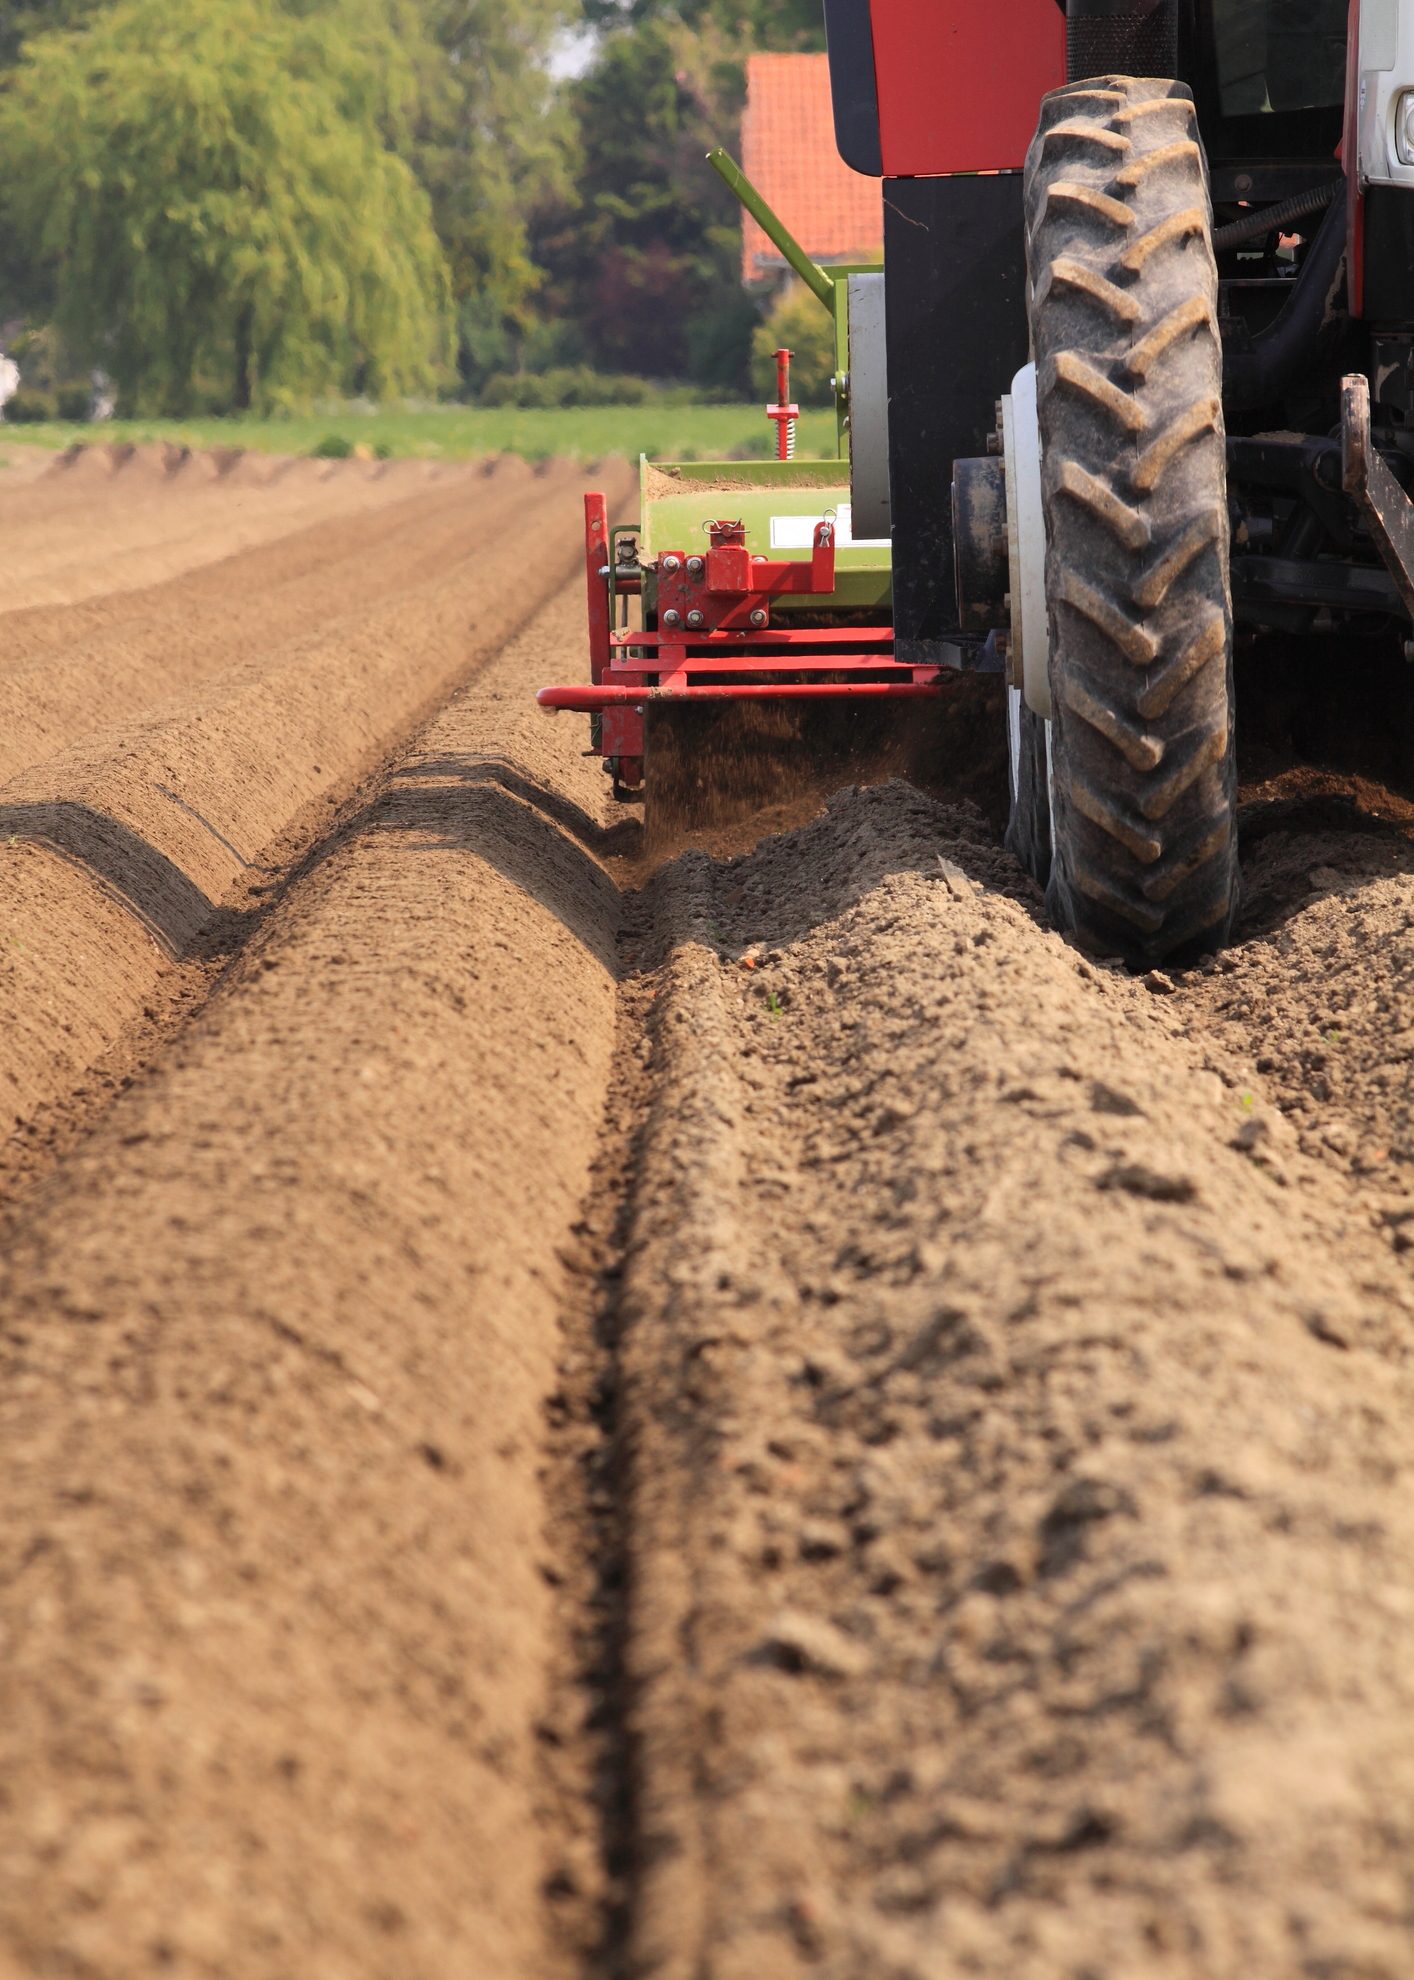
{"x": 694, "y": 567}
{"x": 758, "y": 617}
{"x": 670, "y": 564}
{"x": 672, "y": 618}
{"x": 695, "y": 619}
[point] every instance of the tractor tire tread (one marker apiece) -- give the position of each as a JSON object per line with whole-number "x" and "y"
{"x": 1123, "y": 301}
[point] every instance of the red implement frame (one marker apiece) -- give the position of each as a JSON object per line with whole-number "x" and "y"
{"x": 714, "y": 620}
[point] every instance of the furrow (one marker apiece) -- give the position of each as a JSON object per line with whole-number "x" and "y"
{"x": 119, "y": 856}
{"x": 277, "y": 1344}
{"x": 1019, "y": 1579}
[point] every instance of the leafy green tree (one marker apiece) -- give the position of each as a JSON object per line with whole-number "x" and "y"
{"x": 645, "y": 260}
{"x": 216, "y": 193}
{"x": 20, "y": 22}
{"x": 783, "y": 24}
{"x": 798, "y": 324}
{"x": 23, "y": 289}
{"x": 489, "y": 143}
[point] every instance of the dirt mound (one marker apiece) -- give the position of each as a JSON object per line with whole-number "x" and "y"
{"x": 1022, "y": 1584}
{"x": 21, "y": 465}
{"x": 70, "y": 673}
{"x": 90, "y": 531}
{"x": 121, "y": 850}
{"x": 276, "y": 1348}
{"x": 81, "y": 462}
{"x": 253, "y": 470}
{"x": 724, "y": 777}
{"x": 417, "y": 473}
{"x": 1318, "y": 999}
{"x": 135, "y": 460}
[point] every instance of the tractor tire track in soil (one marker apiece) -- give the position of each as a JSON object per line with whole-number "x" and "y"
{"x": 742, "y": 1412}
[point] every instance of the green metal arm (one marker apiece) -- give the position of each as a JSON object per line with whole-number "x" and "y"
{"x": 810, "y": 272}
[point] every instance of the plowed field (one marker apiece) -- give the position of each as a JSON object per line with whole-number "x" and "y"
{"x": 715, "y": 1409}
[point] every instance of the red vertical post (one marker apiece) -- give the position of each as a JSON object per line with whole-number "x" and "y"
{"x": 783, "y": 412}
{"x": 596, "y": 558}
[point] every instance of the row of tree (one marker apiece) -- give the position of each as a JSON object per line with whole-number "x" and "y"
{"x": 255, "y": 202}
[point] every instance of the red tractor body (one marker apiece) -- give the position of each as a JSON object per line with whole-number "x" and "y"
{"x": 955, "y": 85}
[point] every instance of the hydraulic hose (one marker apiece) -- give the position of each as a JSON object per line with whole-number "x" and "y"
{"x": 1271, "y": 219}
{"x": 1259, "y": 376}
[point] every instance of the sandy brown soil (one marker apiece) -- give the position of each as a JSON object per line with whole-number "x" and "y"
{"x": 276, "y": 1343}
{"x": 1021, "y": 1431}
{"x": 165, "y": 754}
{"x": 101, "y": 520}
{"x": 726, "y": 1409}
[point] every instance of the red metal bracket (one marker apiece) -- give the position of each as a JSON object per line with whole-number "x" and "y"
{"x": 770, "y": 641}
{"x": 589, "y": 699}
{"x": 596, "y": 556}
{"x": 729, "y": 590}
{"x": 620, "y": 726}
{"x": 713, "y": 618}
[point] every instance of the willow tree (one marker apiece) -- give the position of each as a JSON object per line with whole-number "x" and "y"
{"x": 490, "y": 143}
{"x": 216, "y": 194}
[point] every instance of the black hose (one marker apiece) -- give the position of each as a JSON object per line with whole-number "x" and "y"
{"x": 1261, "y": 375}
{"x": 1271, "y": 219}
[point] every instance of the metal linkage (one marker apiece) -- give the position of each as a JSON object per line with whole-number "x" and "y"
{"x": 1387, "y": 509}
{"x": 713, "y": 621}
{"x": 618, "y": 734}
{"x": 589, "y": 700}
{"x": 783, "y": 412}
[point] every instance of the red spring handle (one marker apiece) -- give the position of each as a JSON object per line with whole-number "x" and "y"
{"x": 783, "y": 412}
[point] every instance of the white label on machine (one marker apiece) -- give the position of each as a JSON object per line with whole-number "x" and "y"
{"x": 798, "y": 532}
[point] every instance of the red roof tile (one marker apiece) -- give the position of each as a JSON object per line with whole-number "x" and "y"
{"x": 788, "y": 153}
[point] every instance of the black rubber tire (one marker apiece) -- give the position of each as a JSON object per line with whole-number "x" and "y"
{"x": 1123, "y": 308}
{"x": 1028, "y": 832}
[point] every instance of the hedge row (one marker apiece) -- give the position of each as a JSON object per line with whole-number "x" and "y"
{"x": 70, "y": 402}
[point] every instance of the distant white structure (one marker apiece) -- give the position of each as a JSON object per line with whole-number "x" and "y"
{"x": 104, "y": 401}
{"x": 9, "y": 382}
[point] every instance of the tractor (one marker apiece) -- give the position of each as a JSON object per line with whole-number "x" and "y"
{"x": 1136, "y": 380}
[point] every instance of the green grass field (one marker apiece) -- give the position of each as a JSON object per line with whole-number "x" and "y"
{"x": 704, "y": 433}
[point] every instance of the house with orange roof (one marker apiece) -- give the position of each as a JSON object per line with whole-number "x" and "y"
{"x": 788, "y": 152}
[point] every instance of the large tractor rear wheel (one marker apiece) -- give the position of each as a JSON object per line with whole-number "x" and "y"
{"x": 1123, "y": 306}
